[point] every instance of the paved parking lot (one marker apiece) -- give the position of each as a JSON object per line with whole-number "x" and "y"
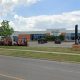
{"x": 51, "y": 44}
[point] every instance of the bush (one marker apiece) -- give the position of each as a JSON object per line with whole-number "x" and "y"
{"x": 50, "y": 38}
{"x": 61, "y": 37}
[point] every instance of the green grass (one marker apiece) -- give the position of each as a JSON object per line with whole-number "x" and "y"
{"x": 36, "y": 55}
{"x": 52, "y": 49}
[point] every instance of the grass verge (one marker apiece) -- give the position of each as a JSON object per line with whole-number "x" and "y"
{"x": 52, "y": 49}
{"x": 36, "y": 55}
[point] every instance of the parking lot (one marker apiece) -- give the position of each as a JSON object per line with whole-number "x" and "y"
{"x": 50, "y": 44}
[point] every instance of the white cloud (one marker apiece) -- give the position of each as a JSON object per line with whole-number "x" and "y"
{"x": 29, "y": 2}
{"x": 42, "y": 22}
{"x": 9, "y": 5}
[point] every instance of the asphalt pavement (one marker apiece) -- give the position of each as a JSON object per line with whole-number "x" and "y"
{"x": 7, "y": 78}
{"x": 35, "y": 69}
{"x": 51, "y": 44}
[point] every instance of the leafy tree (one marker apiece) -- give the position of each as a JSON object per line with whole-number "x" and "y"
{"x": 62, "y": 37}
{"x": 50, "y": 38}
{"x": 5, "y": 29}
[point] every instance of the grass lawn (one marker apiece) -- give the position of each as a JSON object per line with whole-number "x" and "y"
{"x": 47, "y": 56}
{"x": 52, "y": 49}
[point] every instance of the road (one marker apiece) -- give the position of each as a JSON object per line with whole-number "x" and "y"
{"x": 35, "y": 69}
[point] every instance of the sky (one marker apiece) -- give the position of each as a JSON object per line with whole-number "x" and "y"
{"x": 33, "y": 15}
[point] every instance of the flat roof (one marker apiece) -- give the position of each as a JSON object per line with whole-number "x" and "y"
{"x": 44, "y": 32}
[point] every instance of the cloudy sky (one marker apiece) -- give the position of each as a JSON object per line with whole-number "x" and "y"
{"x": 29, "y": 15}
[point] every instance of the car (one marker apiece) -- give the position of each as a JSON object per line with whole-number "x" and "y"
{"x": 42, "y": 41}
{"x": 57, "y": 41}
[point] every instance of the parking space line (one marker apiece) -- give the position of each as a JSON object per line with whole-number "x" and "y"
{"x": 7, "y": 76}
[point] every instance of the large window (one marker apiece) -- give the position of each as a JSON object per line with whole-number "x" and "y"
{"x": 37, "y": 36}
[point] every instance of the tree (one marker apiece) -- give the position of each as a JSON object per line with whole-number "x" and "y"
{"x": 50, "y": 38}
{"x": 62, "y": 37}
{"x": 5, "y": 29}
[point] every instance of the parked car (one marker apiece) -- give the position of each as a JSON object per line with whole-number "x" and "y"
{"x": 57, "y": 41}
{"x": 42, "y": 41}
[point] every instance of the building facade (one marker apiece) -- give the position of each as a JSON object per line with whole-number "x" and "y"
{"x": 35, "y": 35}
{"x": 70, "y": 35}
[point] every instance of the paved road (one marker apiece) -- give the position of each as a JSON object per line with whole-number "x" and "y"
{"x": 7, "y": 78}
{"x": 33, "y": 69}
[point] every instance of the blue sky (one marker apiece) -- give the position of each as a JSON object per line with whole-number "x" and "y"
{"x": 40, "y": 14}
{"x": 48, "y": 7}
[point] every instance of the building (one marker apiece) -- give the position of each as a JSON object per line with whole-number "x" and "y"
{"x": 29, "y": 35}
{"x": 70, "y": 35}
{"x": 35, "y": 35}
